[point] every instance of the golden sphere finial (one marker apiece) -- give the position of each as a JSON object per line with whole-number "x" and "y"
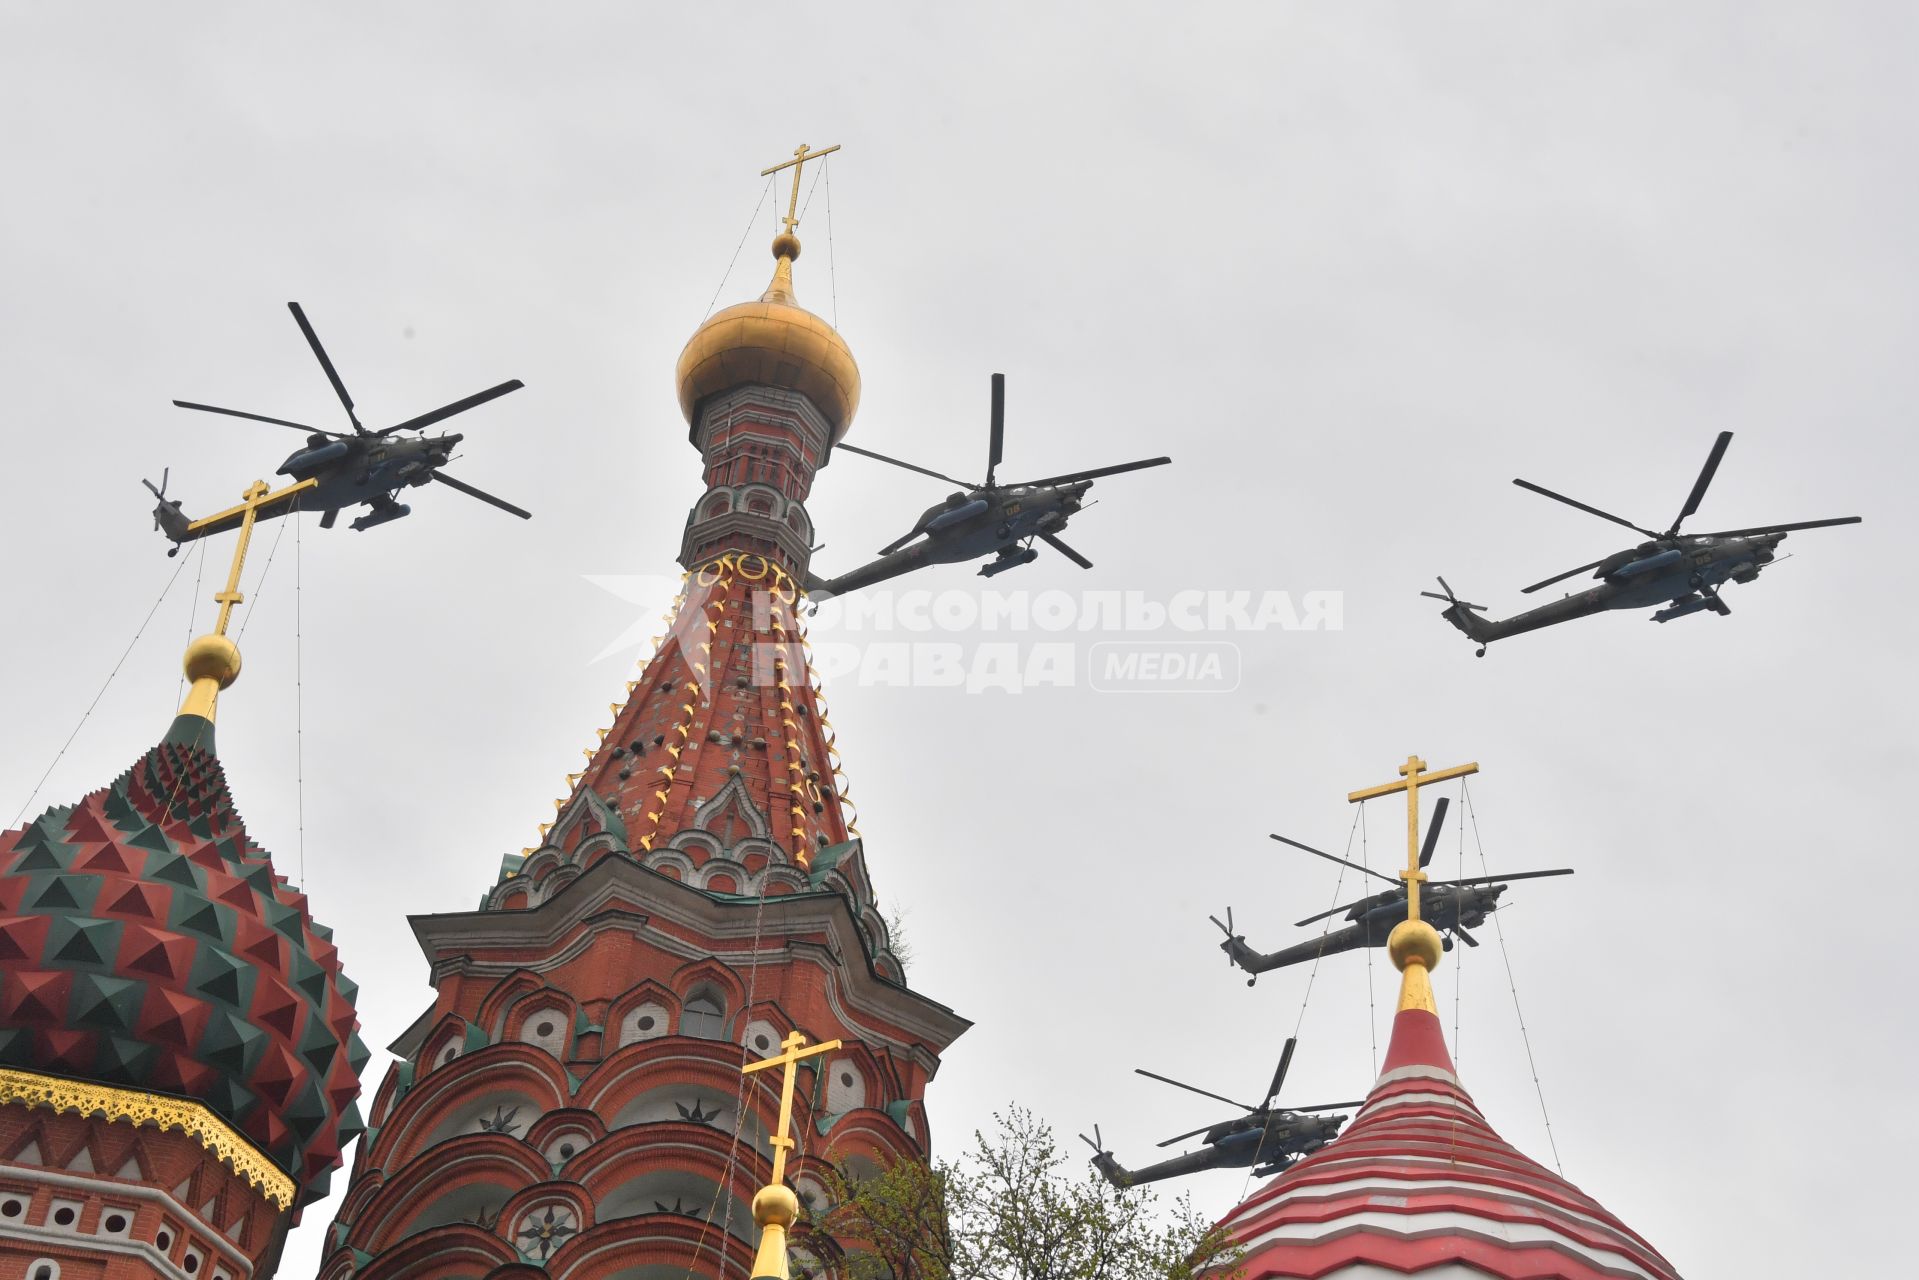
{"x": 775, "y": 1206}
{"x": 213, "y": 657}
{"x": 786, "y": 245}
{"x": 1414, "y": 941}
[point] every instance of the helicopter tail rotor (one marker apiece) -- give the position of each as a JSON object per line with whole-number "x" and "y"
{"x": 167, "y": 517}
{"x": 161, "y": 492}
{"x": 1452, "y": 599}
{"x": 1463, "y": 615}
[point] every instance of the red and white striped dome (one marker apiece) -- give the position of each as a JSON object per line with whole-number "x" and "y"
{"x": 1420, "y": 1185}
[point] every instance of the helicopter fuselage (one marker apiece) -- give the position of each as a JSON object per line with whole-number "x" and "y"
{"x": 1683, "y": 574}
{"x": 1445, "y": 907}
{"x": 1268, "y": 1142}
{"x": 367, "y": 469}
{"x": 971, "y": 526}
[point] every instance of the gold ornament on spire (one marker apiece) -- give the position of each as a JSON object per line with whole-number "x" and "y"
{"x": 212, "y": 661}
{"x": 1414, "y": 945}
{"x": 774, "y": 342}
{"x": 775, "y": 1207}
{"x": 798, "y": 165}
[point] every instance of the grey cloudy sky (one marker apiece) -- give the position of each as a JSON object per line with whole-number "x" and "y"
{"x": 1353, "y": 265}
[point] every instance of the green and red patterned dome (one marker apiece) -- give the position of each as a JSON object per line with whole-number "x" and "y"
{"x": 146, "y": 943}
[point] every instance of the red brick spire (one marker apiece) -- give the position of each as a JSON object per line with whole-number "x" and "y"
{"x": 573, "y": 1100}
{"x": 1419, "y": 1184}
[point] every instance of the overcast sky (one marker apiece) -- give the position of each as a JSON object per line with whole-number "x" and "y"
{"x": 1355, "y": 266}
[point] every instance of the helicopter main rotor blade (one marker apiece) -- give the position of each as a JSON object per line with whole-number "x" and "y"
{"x": 481, "y": 494}
{"x": 1191, "y": 1133}
{"x": 1562, "y": 577}
{"x": 259, "y": 417}
{"x": 1180, "y": 1084}
{"x": 333, "y": 375}
{"x": 1705, "y": 478}
{"x": 1774, "y": 528}
{"x": 1329, "y": 1106}
{"x": 899, "y": 542}
{"x": 1432, "y": 832}
{"x": 996, "y": 444}
{"x": 1330, "y": 858}
{"x": 1573, "y": 502}
{"x": 458, "y": 406}
{"x": 1522, "y": 875}
{"x": 910, "y": 466}
{"x": 1096, "y": 472}
{"x": 1066, "y": 551}
{"x": 1279, "y": 1076}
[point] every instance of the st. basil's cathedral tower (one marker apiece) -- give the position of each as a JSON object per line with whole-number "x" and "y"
{"x": 572, "y": 1103}
{"x": 1420, "y": 1184}
{"x": 179, "y": 1061}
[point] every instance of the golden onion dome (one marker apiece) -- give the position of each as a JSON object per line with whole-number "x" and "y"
{"x": 773, "y": 342}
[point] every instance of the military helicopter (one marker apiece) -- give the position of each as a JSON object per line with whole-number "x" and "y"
{"x": 1684, "y": 574}
{"x": 1000, "y": 520}
{"x": 363, "y": 468}
{"x": 1267, "y": 1138}
{"x": 1450, "y": 906}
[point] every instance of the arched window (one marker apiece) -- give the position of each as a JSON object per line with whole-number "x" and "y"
{"x": 703, "y": 1017}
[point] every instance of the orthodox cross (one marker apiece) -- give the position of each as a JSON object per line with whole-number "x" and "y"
{"x": 255, "y": 497}
{"x": 1413, "y": 777}
{"x": 782, "y": 1139}
{"x": 797, "y": 164}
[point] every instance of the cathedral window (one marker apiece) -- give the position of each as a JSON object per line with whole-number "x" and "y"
{"x": 703, "y": 1017}
{"x": 761, "y": 1038}
{"x": 845, "y": 1087}
{"x": 546, "y": 1028}
{"x": 646, "y": 1022}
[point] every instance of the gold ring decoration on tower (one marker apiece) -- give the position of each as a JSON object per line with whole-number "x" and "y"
{"x": 773, "y": 342}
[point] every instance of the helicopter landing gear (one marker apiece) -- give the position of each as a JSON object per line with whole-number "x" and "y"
{"x": 1480, "y": 652}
